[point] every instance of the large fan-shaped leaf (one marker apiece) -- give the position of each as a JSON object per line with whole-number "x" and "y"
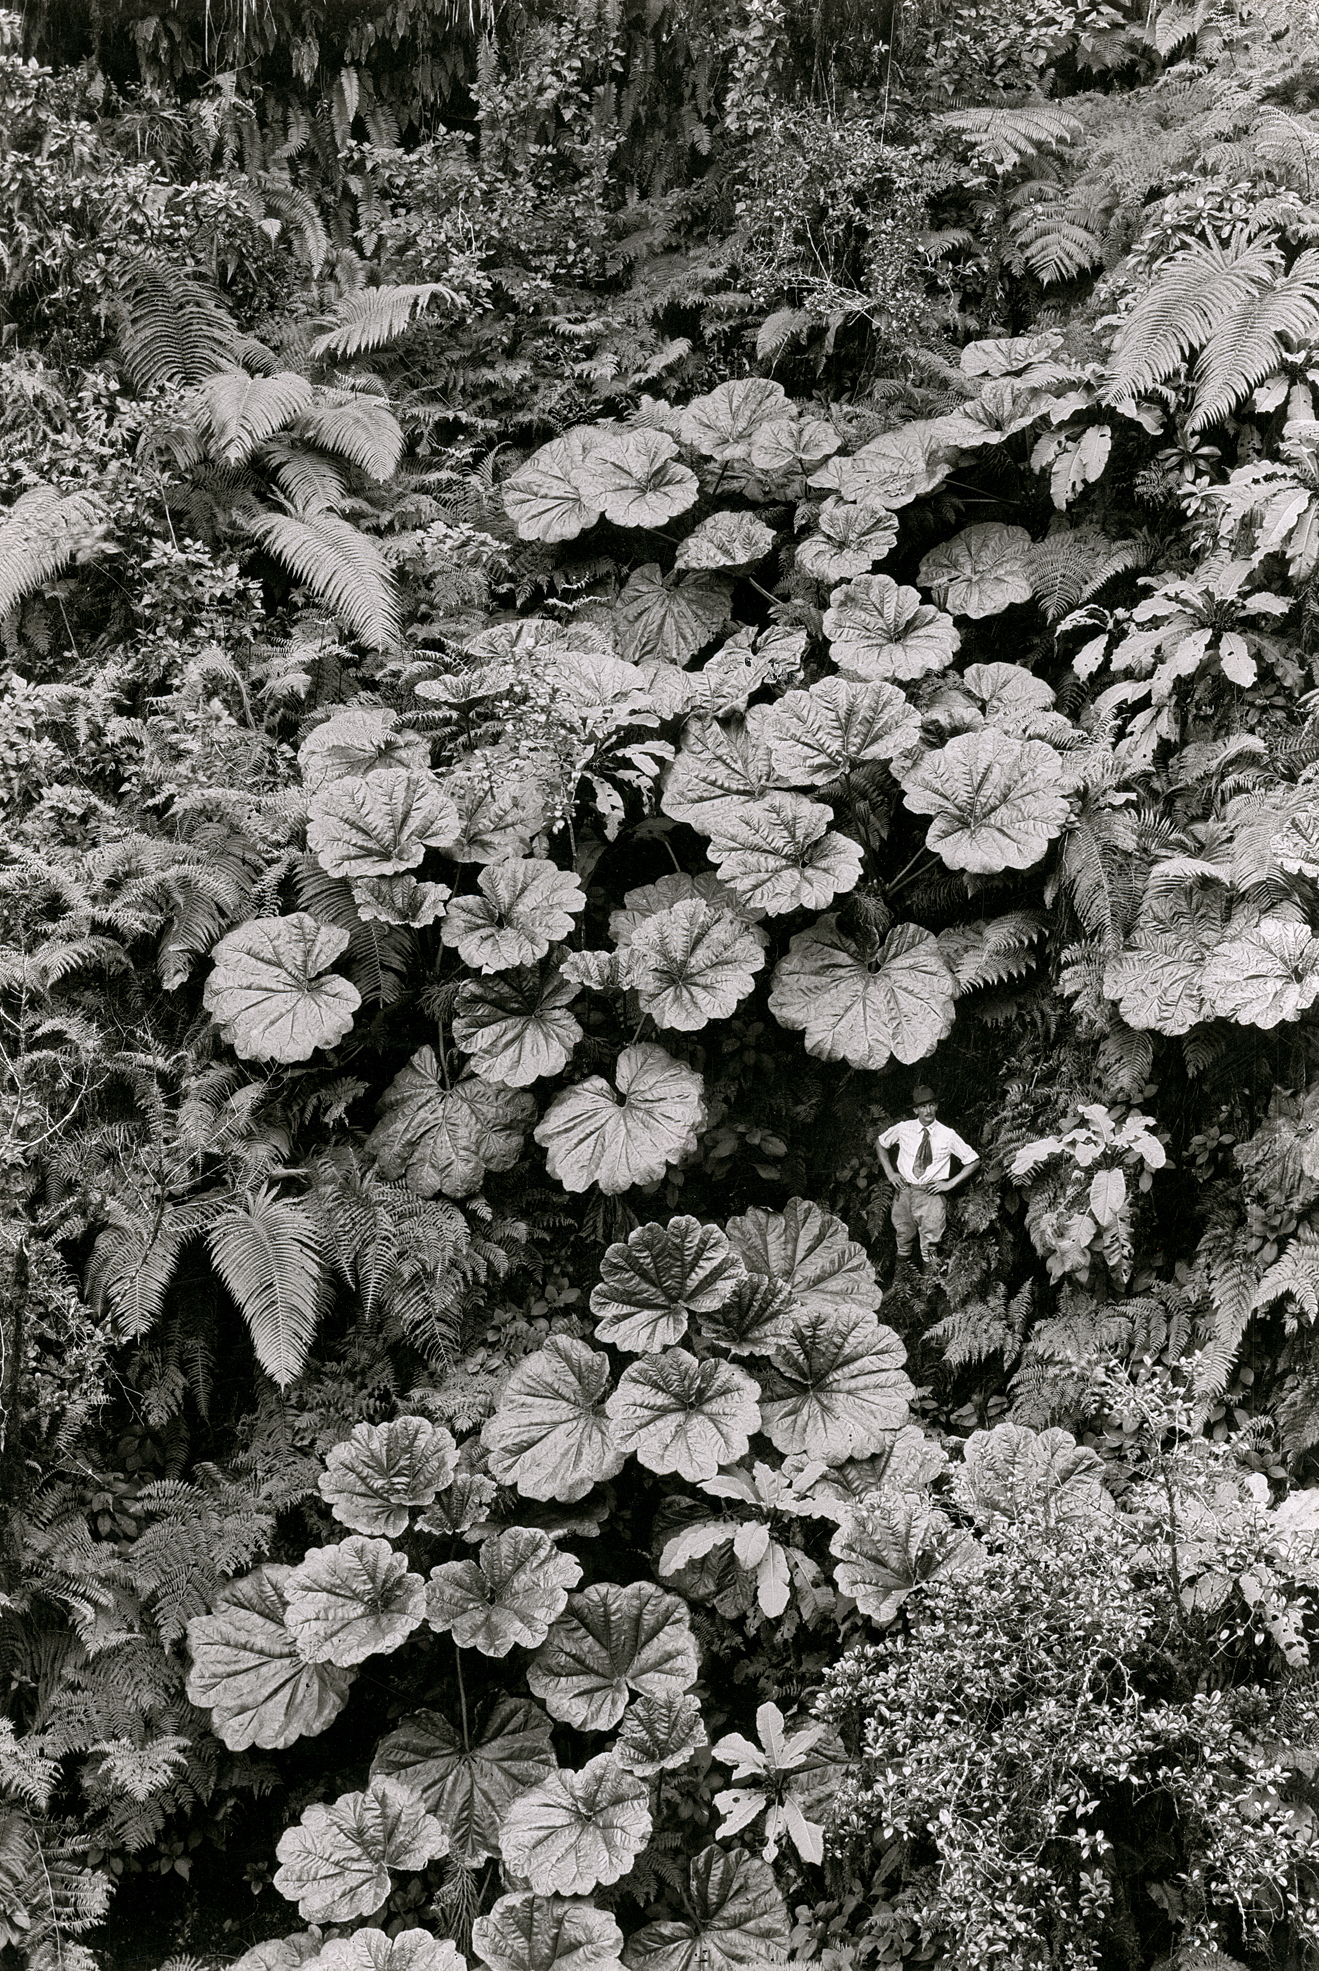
{"x": 891, "y": 1544}
{"x": 352, "y": 1601}
{"x": 807, "y": 1251}
{"x": 636, "y": 479}
{"x": 1014, "y": 1473}
{"x": 779, "y": 853}
{"x": 379, "y": 824}
{"x": 550, "y": 1436}
{"x": 545, "y": 498}
{"x": 979, "y": 571}
{"x": 723, "y": 424}
{"x": 271, "y": 991}
{"x": 680, "y": 1414}
{"x": 241, "y": 411}
{"x": 1265, "y": 975}
{"x": 463, "y": 1505}
{"x": 576, "y": 1830}
{"x": 246, "y": 1670}
{"x": 341, "y": 568}
{"x": 510, "y": 1594}
{"x": 375, "y": 1476}
{"x": 468, "y": 1778}
{"x": 610, "y": 1641}
{"x": 376, "y": 1950}
{"x": 362, "y": 740}
{"x": 659, "y": 1733}
{"x": 652, "y": 898}
{"x": 735, "y": 1920}
{"x": 652, "y": 1281}
{"x": 518, "y": 1027}
{"x": 594, "y": 1135}
{"x": 899, "y": 1006}
{"x": 877, "y": 630}
{"x": 997, "y": 802}
{"x": 895, "y": 468}
{"x": 693, "y": 964}
{"x": 526, "y": 1932}
{"x": 852, "y": 538}
{"x": 267, "y": 1251}
{"x": 362, "y": 429}
{"x": 758, "y": 1315}
{"x": 819, "y": 735}
{"x": 1012, "y": 698}
{"x": 445, "y": 1139}
{"x": 719, "y": 764}
{"x": 525, "y": 906}
{"x": 790, "y": 446}
{"x": 335, "y": 1863}
{"x": 399, "y": 900}
{"x": 836, "y": 1388}
{"x": 668, "y": 617}
{"x": 726, "y": 540}
{"x": 1158, "y": 981}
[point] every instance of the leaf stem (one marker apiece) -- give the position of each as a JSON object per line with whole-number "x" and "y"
{"x": 462, "y": 1695}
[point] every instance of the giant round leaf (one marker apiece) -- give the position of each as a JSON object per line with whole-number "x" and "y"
{"x": 352, "y": 1601}
{"x": 335, "y": 1863}
{"x": 1158, "y": 981}
{"x": 379, "y": 824}
{"x": 550, "y": 1436}
{"x": 1017, "y": 1474}
{"x": 878, "y": 631}
{"x": 758, "y": 1315}
{"x": 246, "y": 1670}
{"x": 374, "y": 1476}
{"x": 779, "y": 853}
{"x": 270, "y": 993}
{"x": 594, "y": 1135}
{"x": 651, "y": 898}
{"x": 899, "y": 1006}
{"x": 363, "y": 739}
{"x": 659, "y": 1275}
{"x": 693, "y": 964}
{"x": 636, "y": 478}
{"x": 822, "y": 734}
{"x": 510, "y": 1594}
{"x": 468, "y": 1776}
{"x": 836, "y": 1388}
{"x": 499, "y": 804}
{"x": 376, "y": 1950}
{"x": 1265, "y": 975}
{"x": 808, "y": 1252}
{"x": 723, "y": 424}
{"x": 997, "y": 802}
{"x": 736, "y": 1920}
{"x": 659, "y": 1733}
{"x": 789, "y": 446}
{"x": 726, "y": 540}
{"x": 517, "y": 1028}
{"x": 525, "y": 906}
{"x": 852, "y": 538}
{"x": 526, "y": 1932}
{"x": 684, "y": 1415}
{"x": 1010, "y": 697}
{"x": 979, "y": 571}
{"x": 719, "y": 765}
{"x": 895, "y": 468}
{"x": 610, "y": 1641}
{"x": 399, "y": 900}
{"x": 577, "y": 1830}
{"x": 545, "y": 498}
{"x": 893, "y": 1543}
{"x": 445, "y": 1139}
{"x": 668, "y": 617}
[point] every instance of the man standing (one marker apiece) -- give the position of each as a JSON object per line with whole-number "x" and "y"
{"x": 925, "y": 1150}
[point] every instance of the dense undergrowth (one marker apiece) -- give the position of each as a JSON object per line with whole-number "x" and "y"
{"x": 580, "y": 591}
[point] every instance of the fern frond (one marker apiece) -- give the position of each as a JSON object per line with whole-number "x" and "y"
{"x": 378, "y": 315}
{"x": 340, "y": 566}
{"x": 363, "y": 430}
{"x": 1193, "y": 296}
{"x": 1070, "y": 566}
{"x": 241, "y": 411}
{"x": 39, "y": 535}
{"x": 1010, "y": 136}
{"x": 1096, "y": 867}
{"x": 1053, "y": 245}
{"x": 308, "y": 481}
{"x": 296, "y": 211}
{"x": 1251, "y": 342}
{"x": 268, "y": 1254}
{"x": 171, "y": 329}
{"x": 1294, "y": 1273}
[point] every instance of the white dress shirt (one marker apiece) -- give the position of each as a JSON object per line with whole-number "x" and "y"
{"x": 945, "y": 1143}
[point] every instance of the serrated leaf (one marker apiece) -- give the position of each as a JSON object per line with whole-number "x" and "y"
{"x": 683, "y": 1415}
{"x": 1010, "y": 697}
{"x": 510, "y": 1594}
{"x": 1265, "y": 975}
{"x": 626, "y": 1135}
{"x": 980, "y": 571}
{"x": 808, "y": 1252}
{"x": 364, "y": 739}
{"x": 335, "y": 1863}
{"x": 379, "y": 824}
{"x": 735, "y": 1920}
{"x": 878, "y": 631}
{"x": 517, "y": 1027}
{"x": 895, "y": 468}
{"x": 792, "y": 445}
{"x": 271, "y": 992}
{"x": 852, "y": 538}
{"x": 779, "y": 854}
{"x": 469, "y": 1779}
{"x": 719, "y": 763}
{"x": 1015, "y": 1474}
{"x": 463, "y": 1505}
{"x": 577, "y": 1830}
{"x": 692, "y": 964}
{"x": 651, "y": 1282}
{"x": 893, "y": 1543}
{"x": 444, "y": 1139}
{"x": 545, "y": 498}
{"x": 376, "y": 1950}
{"x": 636, "y": 479}
{"x": 822, "y": 734}
{"x": 526, "y": 1932}
{"x": 352, "y": 1601}
{"x": 525, "y": 906}
{"x": 758, "y": 1315}
{"x": 659, "y": 1733}
{"x": 723, "y": 424}
{"x": 246, "y": 1670}
{"x": 1296, "y": 848}
{"x": 900, "y": 1006}
{"x": 499, "y": 805}
{"x": 612, "y": 1640}
{"x": 550, "y": 1436}
{"x": 651, "y": 898}
{"x": 997, "y": 802}
{"x": 836, "y": 1388}
{"x": 374, "y": 1477}
{"x": 668, "y": 617}
{"x": 726, "y": 540}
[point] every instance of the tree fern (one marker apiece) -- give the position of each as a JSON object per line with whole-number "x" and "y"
{"x": 1193, "y": 296}
{"x": 1052, "y": 242}
{"x": 378, "y": 315}
{"x": 1070, "y": 566}
{"x": 1252, "y": 341}
{"x": 340, "y": 566}
{"x": 309, "y": 482}
{"x": 1010, "y": 136}
{"x": 171, "y": 329}
{"x": 364, "y": 431}
{"x": 267, "y": 1251}
{"x": 1096, "y": 869}
{"x": 240, "y": 411}
{"x": 39, "y": 536}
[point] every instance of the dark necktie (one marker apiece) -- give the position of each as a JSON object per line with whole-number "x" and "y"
{"x": 924, "y": 1155}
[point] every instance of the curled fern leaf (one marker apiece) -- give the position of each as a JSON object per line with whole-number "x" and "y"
{"x": 341, "y": 567}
